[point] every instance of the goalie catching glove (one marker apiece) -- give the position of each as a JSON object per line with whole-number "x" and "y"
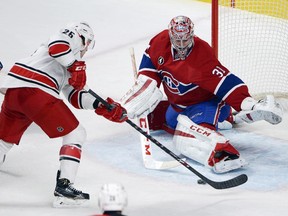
{"x": 142, "y": 98}
{"x": 266, "y": 109}
{"x": 115, "y": 112}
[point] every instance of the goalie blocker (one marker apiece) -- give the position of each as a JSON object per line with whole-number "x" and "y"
{"x": 142, "y": 98}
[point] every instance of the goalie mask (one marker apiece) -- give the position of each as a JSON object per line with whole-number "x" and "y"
{"x": 112, "y": 197}
{"x": 181, "y": 33}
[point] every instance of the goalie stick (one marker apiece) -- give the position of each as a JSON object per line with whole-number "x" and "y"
{"x": 236, "y": 181}
{"x": 146, "y": 148}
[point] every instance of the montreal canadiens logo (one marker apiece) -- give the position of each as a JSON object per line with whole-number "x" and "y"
{"x": 175, "y": 86}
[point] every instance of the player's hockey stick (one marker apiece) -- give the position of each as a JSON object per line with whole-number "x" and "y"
{"x": 146, "y": 148}
{"x": 236, "y": 181}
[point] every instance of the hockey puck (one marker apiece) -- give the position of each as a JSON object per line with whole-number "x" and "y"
{"x": 200, "y": 181}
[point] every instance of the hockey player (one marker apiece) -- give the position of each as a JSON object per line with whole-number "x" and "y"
{"x": 32, "y": 90}
{"x": 1, "y": 66}
{"x": 112, "y": 199}
{"x": 200, "y": 91}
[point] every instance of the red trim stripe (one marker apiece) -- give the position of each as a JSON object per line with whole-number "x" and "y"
{"x": 181, "y": 133}
{"x": 74, "y": 99}
{"x": 58, "y": 49}
{"x": 142, "y": 89}
{"x": 23, "y": 72}
{"x": 70, "y": 151}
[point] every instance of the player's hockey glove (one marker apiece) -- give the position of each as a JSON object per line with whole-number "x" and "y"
{"x": 116, "y": 114}
{"x": 78, "y": 75}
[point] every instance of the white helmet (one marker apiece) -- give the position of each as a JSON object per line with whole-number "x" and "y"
{"x": 85, "y": 33}
{"x": 181, "y": 33}
{"x": 112, "y": 197}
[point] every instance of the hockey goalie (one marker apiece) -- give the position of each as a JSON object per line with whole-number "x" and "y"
{"x": 201, "y": 93}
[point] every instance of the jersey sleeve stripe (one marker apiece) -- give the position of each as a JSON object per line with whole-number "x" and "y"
{"x": 148, "y": 69}
{"x": 59, "y": 48}
{"x": 227, "y": 85}
{"x": 75, "y": 98}
{"x": 147, "y": 64}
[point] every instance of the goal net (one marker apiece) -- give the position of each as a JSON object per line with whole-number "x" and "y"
{"x": 250, "y": 38}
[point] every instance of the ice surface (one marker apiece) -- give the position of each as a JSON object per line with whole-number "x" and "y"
{"x": 112, "y": 151}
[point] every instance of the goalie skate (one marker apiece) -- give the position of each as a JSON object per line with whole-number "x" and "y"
{"x": 67, "y": 196}
{"x": 228, "y": 164}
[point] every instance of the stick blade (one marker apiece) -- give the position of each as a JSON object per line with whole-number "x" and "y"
{"x": 234, "y": 182}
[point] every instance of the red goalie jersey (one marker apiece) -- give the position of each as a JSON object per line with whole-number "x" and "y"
{"x": 198, "y": 78}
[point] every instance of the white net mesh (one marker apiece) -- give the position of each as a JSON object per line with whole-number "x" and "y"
{"x": 253, "y": 43}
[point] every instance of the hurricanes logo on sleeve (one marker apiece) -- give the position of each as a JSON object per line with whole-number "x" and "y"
{"x": 174, "y": 86}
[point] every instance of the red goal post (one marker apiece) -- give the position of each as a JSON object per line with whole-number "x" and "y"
{"x": 250, "y": 37}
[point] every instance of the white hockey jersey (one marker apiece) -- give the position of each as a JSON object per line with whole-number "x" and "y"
{"x": 46, "y": 69}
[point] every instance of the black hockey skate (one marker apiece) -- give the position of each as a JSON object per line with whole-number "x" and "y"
{"x": 66, "y": 195}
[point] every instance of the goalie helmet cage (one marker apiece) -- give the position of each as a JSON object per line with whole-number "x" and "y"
{"x": 250, "y": 38}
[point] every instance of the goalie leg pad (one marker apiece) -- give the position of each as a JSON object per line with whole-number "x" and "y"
{"x": 201, "y": 133}
{"x": 194, "y": 141}
{"x": 191, "y": 147}
{"x": 142, "y": 98}
{"x": 206, "y": 146}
